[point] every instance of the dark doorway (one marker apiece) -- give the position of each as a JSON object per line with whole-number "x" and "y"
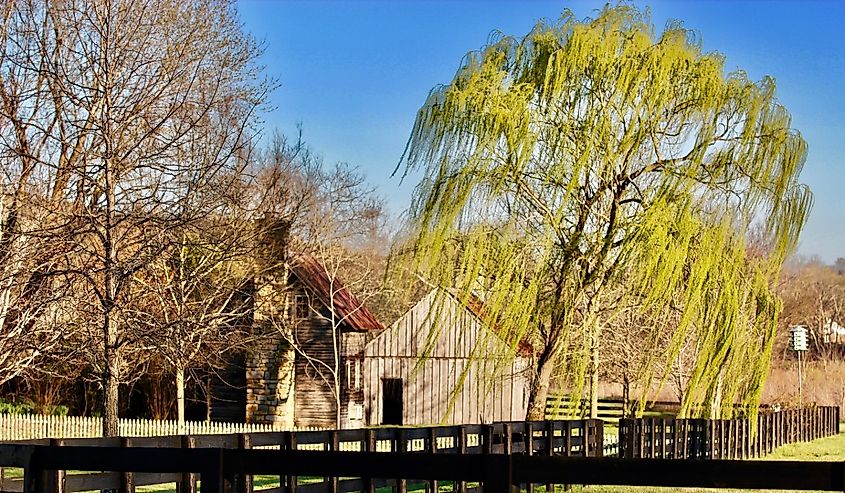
{"x": 391, "y": 399}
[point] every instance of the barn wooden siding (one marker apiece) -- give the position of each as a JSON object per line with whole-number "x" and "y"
{"x": 455, "y": 343}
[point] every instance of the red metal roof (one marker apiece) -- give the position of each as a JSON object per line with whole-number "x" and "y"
{"x": 345, "y": 305}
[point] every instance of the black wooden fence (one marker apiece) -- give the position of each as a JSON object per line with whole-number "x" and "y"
{"x": 583, "y": 438}
{"x": 223, "y": 470}
{"x": 671, "y": 438}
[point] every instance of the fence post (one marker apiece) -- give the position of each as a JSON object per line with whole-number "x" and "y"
{"x": 498, "y": 473}
{"x": 369, "y": 446}
{"x": 334, "y": 444}
{"x": 212, "y": 474}
{"x": 127, "y": 478}
{"x": 529, "y": 449}
{"x": 244, "y": 481}
{"x": 188, "y": 484}
{"x": 36, "y": 479}
{"x": 58, "y": 477}
{"x": 550, "y": 445}
{"x": 507, "y": 439}
{"x": 487, "y": 439}
{"x": 288, "y": 482}
{"x": 432, "y": 449}
{"x": 676, "y": 437}
{"x": 401, "y": 444}
{"x": 622, "y": 436}
{"x": 599, "y": 438}
{"x": 462, "y": 449}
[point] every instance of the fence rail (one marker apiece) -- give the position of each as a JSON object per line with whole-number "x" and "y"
{"x": 582, "y": 438}
{"x": 27, "y": 426}
{"x": 226, "y": 469}
{"x": 670, "y": 438}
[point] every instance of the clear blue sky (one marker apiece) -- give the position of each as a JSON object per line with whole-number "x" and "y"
{"x": 354, "y": 74}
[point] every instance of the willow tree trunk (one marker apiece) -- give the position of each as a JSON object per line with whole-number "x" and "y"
{"x": 594, "y": 374}
{"x": 540, "y": 386}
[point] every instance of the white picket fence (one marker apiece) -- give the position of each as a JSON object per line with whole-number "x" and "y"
{"x": 30, "y": 426}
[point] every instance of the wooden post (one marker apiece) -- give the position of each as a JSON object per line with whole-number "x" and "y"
{"x": 401, "y": 447}
{"x": 486, "y": 439}
{"x": 663, "y": 438}
{"x": 507, "y": 439}
{"x": 462, "y": 450}
{"x": 498, "y": 474}
{"x": 652, "y": 438}
{"x": 244, "y": 481}
{"x": 370, "y": 446}
{"x": 34, "y": 478}
{"x": 288, "y": 482}
{"x": 529, "y": 449}
{"x": 599, "y": 438}
{"x": 334, "y": 445}
{"x": 127, "y": 479}
{"x": 676, "y": 437}
{"x": 550, "y": 446}
{"x": 432, "y": 449}
{"x": 212, "y": 476}
{"x": 567, "y": 440}
{"x": 58, "y": 477}
{"x": 188, "y": 483}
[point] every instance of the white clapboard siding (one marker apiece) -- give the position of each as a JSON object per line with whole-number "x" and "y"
{"x": 429, "y": 349}
{"x": 33, "y": 426}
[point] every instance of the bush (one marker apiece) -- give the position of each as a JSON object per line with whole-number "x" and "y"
{"x": 28, "y": 407}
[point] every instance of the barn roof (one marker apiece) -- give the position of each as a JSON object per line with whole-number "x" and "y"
{"x": 345, "y": 305}
{"x": 474, "y": 304}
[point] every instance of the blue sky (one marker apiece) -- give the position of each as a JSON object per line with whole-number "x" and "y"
{"x": 354, "y": 74}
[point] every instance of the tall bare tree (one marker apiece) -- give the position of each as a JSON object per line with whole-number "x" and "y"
{"x": 135, "y": 111}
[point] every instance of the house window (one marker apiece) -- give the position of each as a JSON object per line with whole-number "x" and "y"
{"x": 299, "y": 310}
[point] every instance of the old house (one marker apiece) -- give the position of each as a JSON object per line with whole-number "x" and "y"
{"x": 306, "y": 368}
{"x": 441, "y": 363}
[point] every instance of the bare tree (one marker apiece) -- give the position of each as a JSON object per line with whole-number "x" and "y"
{"x": 814, "y": 296}
{"x": 197, "y": 299}
{"x": 136, "y": 110}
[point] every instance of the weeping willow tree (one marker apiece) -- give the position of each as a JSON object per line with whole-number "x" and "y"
{"x": 598, "y": 153}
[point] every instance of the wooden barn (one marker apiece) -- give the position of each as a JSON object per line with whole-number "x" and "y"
{"x": 313, "y": 335}
{"x": 412, "y": 370}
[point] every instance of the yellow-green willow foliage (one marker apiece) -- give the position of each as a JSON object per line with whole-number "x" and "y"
{"x": 556, "y": 162}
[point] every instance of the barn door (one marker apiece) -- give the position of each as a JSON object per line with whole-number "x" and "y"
{"x": 391, "y": 400}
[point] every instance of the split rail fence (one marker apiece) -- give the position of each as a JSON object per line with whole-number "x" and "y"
{"x": 671, "y": 438}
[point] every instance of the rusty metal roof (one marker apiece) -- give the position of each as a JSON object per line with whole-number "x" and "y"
{"x": 345, "y": 305}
